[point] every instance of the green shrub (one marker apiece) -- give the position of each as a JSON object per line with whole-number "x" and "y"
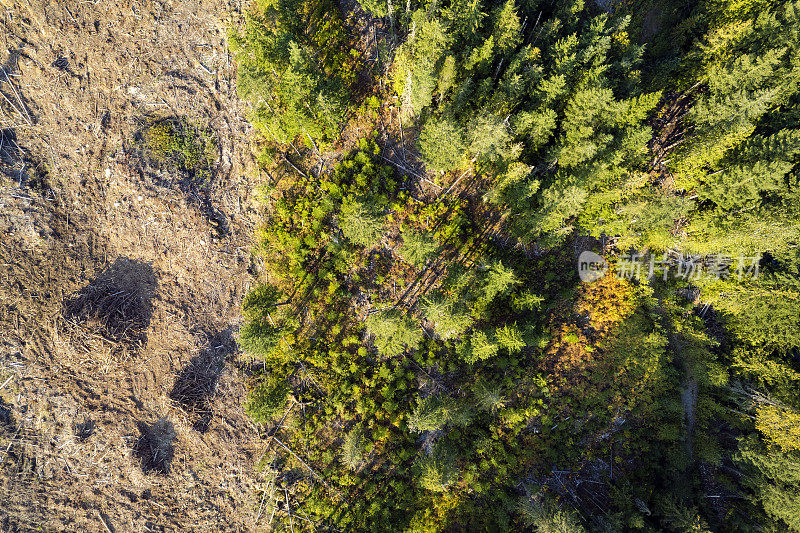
{"x": 267, "y": 400}
{"x": 183, "y": 146}
{"x": 258, "y": 337}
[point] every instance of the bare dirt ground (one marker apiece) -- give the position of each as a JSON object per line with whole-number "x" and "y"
{"x": 120, "y": 399}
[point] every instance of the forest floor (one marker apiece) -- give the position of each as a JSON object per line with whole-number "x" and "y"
{"x": 120, "y": 397}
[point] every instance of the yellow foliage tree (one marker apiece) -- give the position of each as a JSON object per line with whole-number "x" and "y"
{"x": 780, "y": 426}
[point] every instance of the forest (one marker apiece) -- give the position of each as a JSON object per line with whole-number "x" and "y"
{"x": 427, "y": 353}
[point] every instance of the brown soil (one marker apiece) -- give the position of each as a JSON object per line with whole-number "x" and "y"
{"x": 120, "y": 403}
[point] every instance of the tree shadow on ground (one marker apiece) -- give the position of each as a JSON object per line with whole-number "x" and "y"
{"x": 196, "y": 384}
{"x": 155, "y": 447}
{"x": 6, "y": 416}
{"x": 85, "y": 429}
{"x": 15, "y": 161}
{"x": 119, "y": 301}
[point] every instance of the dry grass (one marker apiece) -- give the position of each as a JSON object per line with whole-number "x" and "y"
{"x": 116, "y": 289}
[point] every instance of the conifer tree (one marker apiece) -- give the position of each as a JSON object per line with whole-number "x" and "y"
{"x": 557, "y": 205}
{"x": 499, "y": 279}
{"x": 489, "y": 139}
{"x": 449, "y": 321}
{"x": 510, "y": 339}
{"x": 547, "y": 517}
{"x": 507, "y": 26}
{"x": 430, "y": 414}
{"x": 418, "y": 248}
{"x": 281, "y": 74}
{"x": 465, "y": 18}
{"x": 747, "y": 62}
{"x": 480, "y": 346}
{"x": 359, "y": 223}
{"x": 414, "y": 69}
{"x": 259, "y": 301}
{"x": 489, "y": 398}
{"x": 774, "y": 476}
{"x": 442, "y": 144}
{"x": 352, "y": 452}
{"x": 379, "y": 8}
{"x": 267, "y": 399}
{"x": 446, "y": 77}
{"x": 438, "y": 471}
{"x": 763, "y": 315}
{"x": 393, "y": 332}
{"x": 259, "y": 337}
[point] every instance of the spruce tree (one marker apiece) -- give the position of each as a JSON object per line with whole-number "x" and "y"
{"x": 282, "y": 75}
{"x": 442, "y": 144}
{"x": 352, "y": 451}
{"x": 359, "y": 222}
{"x": 414, "y": 68}
{"x": 449, "y": 321}
{"x": 747, "y": 61}
{"x": 438, "y": 471}
{"x": 393, "y": 332}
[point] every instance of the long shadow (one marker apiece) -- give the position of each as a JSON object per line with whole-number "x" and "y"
{"x": 6, "y": 416}
{"x": 10, "y": 152}
{"x": 15, "y": 162}
{"x": 447, "y": 259}
{"x": 119, "y": 301}
{"x": 196, "y": 384}
{"x": 12, "y": 453}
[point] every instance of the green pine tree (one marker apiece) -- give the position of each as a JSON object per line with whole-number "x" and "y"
{"x": 449, "y": 321}
{"x": 359, "y": 223}
{"x": 442, "y": 145}
{"x": 393, "y": 332}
